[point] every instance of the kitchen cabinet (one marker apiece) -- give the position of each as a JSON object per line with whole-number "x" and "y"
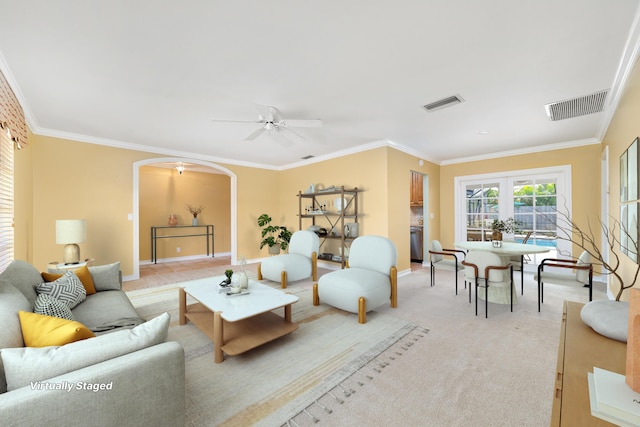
{"x": 416, "y": 189}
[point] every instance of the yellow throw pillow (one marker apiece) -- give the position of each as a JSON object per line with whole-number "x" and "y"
{"x": 83, "y": 274}
{"x": 42, "y": 331}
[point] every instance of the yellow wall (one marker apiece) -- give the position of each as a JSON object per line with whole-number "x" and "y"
{"x": 23, "y": 202}
{"x": 366, "y": 171}
{"x": 624, "y": 128}
{"x": 63, "y": 179}
{"x": 72, "y": 180}
{"x": 163, "y": 191}
{"x": 400, "y": 165}
{"x": 585, "y": 178}
{"x": 382, "y": 174}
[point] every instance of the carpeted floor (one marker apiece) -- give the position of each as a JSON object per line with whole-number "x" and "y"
{"x": 274, "y": 383}
{"x": 454, "y": 369}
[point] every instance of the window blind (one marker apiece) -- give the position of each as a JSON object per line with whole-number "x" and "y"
{"x": 6, "y": 197}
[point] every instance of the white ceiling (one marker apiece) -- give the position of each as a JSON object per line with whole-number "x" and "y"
{"x": 153, "y": 74}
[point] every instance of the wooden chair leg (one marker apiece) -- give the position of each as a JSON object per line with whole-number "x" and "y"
{"x": 394, "y": 287}
{"x": 316, "y": 298}
{"x": 260, "y": 271}
{"x": 314, "y": 266}
{"x": 362, "y": 310}
{"x": 283, "y": 279}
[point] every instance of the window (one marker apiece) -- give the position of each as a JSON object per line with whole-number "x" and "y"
{"x": 6, "y": 198}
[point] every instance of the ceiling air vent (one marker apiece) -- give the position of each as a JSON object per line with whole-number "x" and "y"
{"x": 310, "y": 156}
{"x": 443, "y": 103}
{"x": 575, "y": 107}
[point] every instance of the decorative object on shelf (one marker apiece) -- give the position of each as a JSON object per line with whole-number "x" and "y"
{"x": 228, "y": 274}
{"x": 311, "y": 189}
{"x": 195, "y": 211}
{"x": 70, "y": 232}
{"x": 339, "y": 204}
{"x": 351, "y": 229}
{"x": 173, "y": 220}
{"x": 328, "y": 189}
{"x": 607, "y": 317}
{"x": 275, "y": 236}
{"x": 499, "y": 226}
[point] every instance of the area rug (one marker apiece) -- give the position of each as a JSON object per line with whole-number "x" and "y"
{"x": 293, "y": 380}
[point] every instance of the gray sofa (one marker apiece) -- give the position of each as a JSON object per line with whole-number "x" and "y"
{"x": 124, "y": 376}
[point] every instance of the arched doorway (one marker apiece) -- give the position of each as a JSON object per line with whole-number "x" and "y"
{"x": 136, "y": 204}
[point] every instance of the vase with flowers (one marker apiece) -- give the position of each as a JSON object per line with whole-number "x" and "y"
{"x": 499, "y": 226}
{"x": 195, "y": 211}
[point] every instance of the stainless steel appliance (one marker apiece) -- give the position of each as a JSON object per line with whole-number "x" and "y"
{"x": 417, "y": 253}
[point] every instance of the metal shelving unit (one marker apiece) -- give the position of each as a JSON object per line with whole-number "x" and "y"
{"x": 319, "y": 209}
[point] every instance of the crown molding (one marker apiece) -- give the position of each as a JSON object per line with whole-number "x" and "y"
{"x": 629, "y": 58}
{"x": 528, "y": 150}
{"x": 146, "y": 148}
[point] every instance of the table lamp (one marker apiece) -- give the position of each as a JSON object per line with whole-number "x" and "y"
{"x": 70, "y": 232}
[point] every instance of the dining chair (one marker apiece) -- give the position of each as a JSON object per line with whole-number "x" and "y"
{"x": 518, "y": 261}
{"x": 445, "y": 259}
{"x": 486, "y": 270}
{"x": 581, "y": 275}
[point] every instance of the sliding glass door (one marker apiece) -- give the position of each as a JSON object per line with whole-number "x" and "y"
{"x": 535, "y": 210}
{"x": 529, "y": 196}
{"x": 482, "y": 207}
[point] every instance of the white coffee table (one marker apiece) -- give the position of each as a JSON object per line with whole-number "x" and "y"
{"x": 236, "y": 324}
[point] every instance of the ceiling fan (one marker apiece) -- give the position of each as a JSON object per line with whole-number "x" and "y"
{"x": 270, "y": 120}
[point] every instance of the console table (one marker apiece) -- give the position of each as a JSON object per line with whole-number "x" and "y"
{"x": 207, "y": 234}
{"x": 580, "y": 349}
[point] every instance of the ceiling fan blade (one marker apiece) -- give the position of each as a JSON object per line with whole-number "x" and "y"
{"x": 286, "y": 129}
{"x": 235, "y": 121}
{"x": 311, "y": 123}
{"x": 266, "y": 112}
{"x": 280, "y": 138}
{"x": 255, "y": 134}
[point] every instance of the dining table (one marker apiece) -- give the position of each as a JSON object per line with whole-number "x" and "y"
{"x": 505, "y": 250}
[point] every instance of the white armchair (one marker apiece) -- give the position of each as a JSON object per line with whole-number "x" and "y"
{"x": 301, "y": 261}
{"x": 370, "y": 280}
{"x": 582, "y": 274}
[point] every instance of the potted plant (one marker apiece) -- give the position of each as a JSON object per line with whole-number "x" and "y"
{"x": 499, "y": 226}
{"x": 275, "y": 236}
{"x": 195, "y": 211}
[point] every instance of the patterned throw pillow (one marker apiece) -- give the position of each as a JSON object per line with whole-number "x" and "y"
{"x": 67, "y": 289}
{"x": 49, "y": 306}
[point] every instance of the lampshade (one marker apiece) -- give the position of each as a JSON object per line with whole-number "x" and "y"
{"x": 70, "y": 232}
